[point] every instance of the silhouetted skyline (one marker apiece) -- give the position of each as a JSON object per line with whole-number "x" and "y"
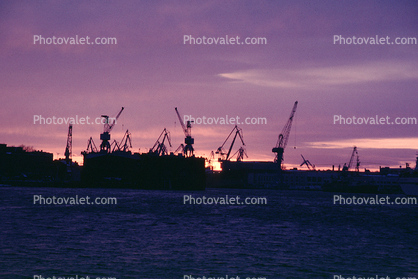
{"x": 150, "y": 71}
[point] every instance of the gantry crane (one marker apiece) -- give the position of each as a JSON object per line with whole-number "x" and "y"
{"x": 68, "y": 148}
{"x": 307, "y": 163}
{"x": 354, "y": 153}
{"x": 159, "y": 147}
{"x": 105, "y": 136}
{"x": 91, "y": 147}
{"x": 188, "y": 149}
{"x": 124, "y": 144}
{"x": 283, "y": 138}
{"x": 221, "y": 152}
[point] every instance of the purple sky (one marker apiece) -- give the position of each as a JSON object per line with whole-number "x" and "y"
{"x": 150, "y": 71}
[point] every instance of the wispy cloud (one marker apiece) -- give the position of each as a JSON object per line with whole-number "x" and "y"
{"x": 317, "y": 77}
{"x": 376, "y": 143}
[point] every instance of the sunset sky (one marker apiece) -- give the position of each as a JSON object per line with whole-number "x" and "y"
{"x": 150, "y": 71}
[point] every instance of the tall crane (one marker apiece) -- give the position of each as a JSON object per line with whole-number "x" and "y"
{"x": 159, "y": 147}
{"x": 220, "y": 151}
{"x": 354, "y": 153}
{"x": 283, "y": 138}
{"x": 189, "y": 141}
{"x": 105, "y": 136}
{"x": 69, "y": 147}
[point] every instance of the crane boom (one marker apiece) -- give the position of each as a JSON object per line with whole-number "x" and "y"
{"x": 354, "y": 153}
{"x": 181, "y": 122}
{"x": 284, "y": 137}
{"x": 188, "y": 149}
{"x": 108, "y": 127}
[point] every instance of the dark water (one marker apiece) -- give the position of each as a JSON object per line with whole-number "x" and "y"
{"x": 151, "y": 234}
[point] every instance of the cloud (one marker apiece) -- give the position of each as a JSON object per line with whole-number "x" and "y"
{"x": 376, "y": 143}
{"x": 320, "y": 77}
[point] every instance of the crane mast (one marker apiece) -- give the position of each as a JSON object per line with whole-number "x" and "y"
{"x": 68, "y": 148}
{"x": 283, "y": 138}
{"x": 188, "y": 149}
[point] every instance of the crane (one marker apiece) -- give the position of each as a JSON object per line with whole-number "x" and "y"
{"x": 307, "y": 163}
{"x": 354, "y": 153}
{"x": 91, "y": 147}
{"x": 68, "y": 148}
{"x": 220, "y": 151}
{"x": 105, "y": 136}
{"x": 159, "y": 147}
{"x": 283, "y": 138}
{"x": 181, "y": 147}
{"x": 125, "y": 143}
{"x": 189, "y": 141}
{"x": 241, "y": 153}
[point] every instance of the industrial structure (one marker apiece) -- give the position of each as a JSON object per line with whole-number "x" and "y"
{"x": 105, "y": 136}
{"x": 307, "y": 163}
{"x": 353, "y": 154}
{"x": 188, "y": 149}
{"x": 114, "y": 165}
{"x": 283, "y": 138}
{"x": 159, "y": 147}
{"x": 225, "y": 156}
{"x": 68, "y": 147}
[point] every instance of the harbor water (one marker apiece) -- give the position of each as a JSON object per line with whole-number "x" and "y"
{"x": 153, "y": 234}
